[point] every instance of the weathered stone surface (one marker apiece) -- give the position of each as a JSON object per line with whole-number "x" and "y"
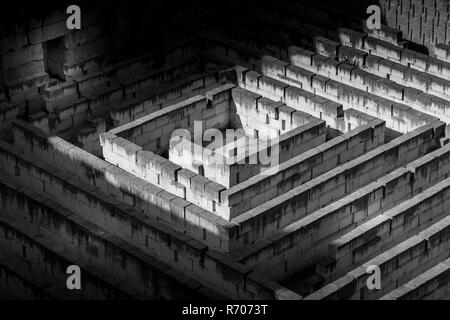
{"x": 348, "y": 128}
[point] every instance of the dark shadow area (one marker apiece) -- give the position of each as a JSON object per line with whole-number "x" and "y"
{"x": 154, "y": 28}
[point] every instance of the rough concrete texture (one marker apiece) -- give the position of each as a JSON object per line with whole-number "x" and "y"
{"x": 360, "y": 158}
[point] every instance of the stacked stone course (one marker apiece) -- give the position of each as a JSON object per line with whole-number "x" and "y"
{"x": 90, "y": 176}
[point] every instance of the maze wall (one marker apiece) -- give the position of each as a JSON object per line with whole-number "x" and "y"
{"x": 104, "y": 161}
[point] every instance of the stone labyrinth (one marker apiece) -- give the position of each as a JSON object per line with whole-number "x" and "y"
{"x": 89, "y": 175}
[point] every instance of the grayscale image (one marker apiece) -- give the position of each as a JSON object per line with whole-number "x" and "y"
{"x": 225, "y": 150}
